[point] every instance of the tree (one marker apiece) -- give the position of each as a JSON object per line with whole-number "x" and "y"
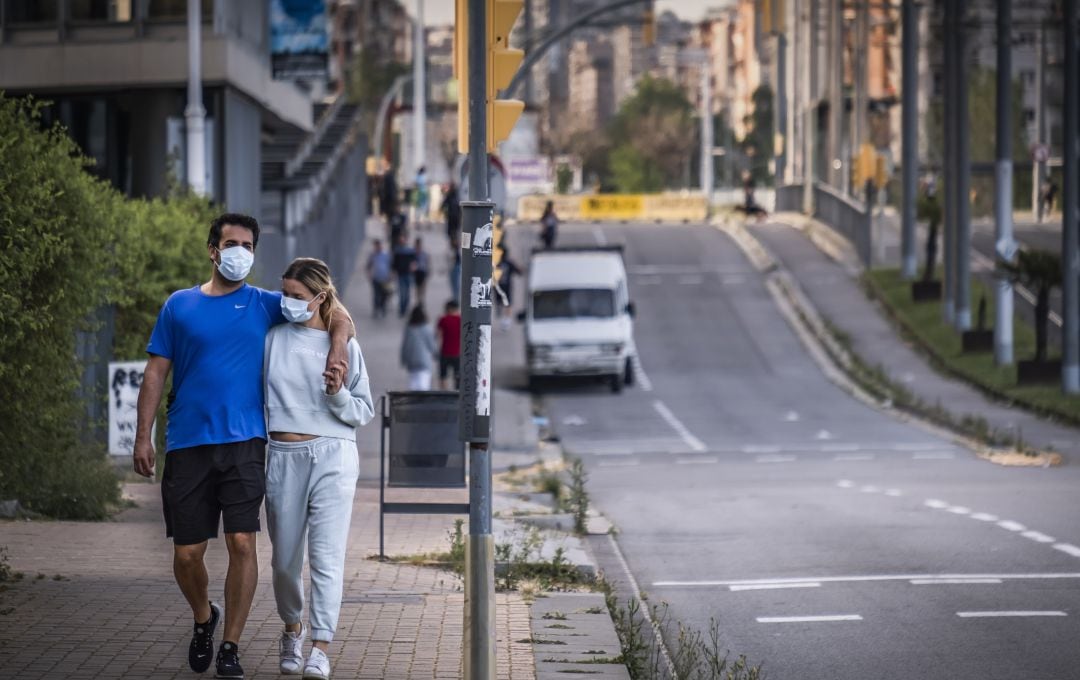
{"x": 651, "y": 135}
{"x": 1041, "y": 270}
{"x": 758, "y": 142}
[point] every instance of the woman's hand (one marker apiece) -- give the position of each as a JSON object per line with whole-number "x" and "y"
{"x": 334, "y": 378}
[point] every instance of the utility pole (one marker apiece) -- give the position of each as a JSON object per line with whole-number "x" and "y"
{"x": 707, "y": 143}
{"x": 860, "y": 77}
{"x": 836, "y": 93}
{"x": 948, "y": 307}
{"x": 194, "y": 113}
{"x": 419, "y": 90}
{"x": 781, "y": 106}
{"x": 909, "y": 135}
{"x": 962, "y": 244}
{"x": 1070, "y": 219}
{"x": 1003, "y": 204}
{"x": 1038, "y": 166}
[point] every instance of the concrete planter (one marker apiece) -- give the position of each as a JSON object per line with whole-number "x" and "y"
{"x": 925, "y": 291}
{"x": 1033, "y": 372}
{"x": 978, "y": 341}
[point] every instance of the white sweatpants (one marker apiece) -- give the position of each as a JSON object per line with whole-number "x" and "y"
{"x": 419, "y": 380}
{"x": 309, "y": 495}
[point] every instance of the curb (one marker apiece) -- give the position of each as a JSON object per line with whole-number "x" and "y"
{"x": 838, "y": 363}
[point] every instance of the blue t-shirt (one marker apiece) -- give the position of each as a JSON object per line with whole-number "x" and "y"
{"x": 216, "y": 346}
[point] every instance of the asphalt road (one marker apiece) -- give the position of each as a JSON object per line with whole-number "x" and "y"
{"x": 829, "y": 540}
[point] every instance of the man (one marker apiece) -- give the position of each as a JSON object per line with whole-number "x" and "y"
{"x": 448, "y": 332}
{"x": 404, "y": 264}
{"x": 212, "y": 337}
{"x": 378, "y": 270}
{"x": 451, "y": 207}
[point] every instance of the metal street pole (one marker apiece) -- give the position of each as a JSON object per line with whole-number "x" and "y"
{"x": 810, "y": 127}
{"x": 419, "y": 89}
{"x": 949, "y": 174}
{"x": 707, "y": 144}
{"x": 1038, "y": 166}
{"x": 781, "y": 107}
{"x": 962, "y": 243}
{"x": 194, "y": 113}
{"x": 1070, "y": 219}
{"x": 1003, "y": 204}
{"x": 860, "y": 77}
{"x": 475, "y": 376}
{"x": 909, "y": 135}
{"x": 836, "y": 93}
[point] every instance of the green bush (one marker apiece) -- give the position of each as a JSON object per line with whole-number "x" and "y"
{"x": 71, "y": 245}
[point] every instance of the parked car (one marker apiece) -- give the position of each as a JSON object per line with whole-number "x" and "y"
{"x": 579, "y": 317}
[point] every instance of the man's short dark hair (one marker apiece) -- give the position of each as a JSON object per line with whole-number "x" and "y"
{"x": 452, "y": 305}
{"x": 236, "y": 219}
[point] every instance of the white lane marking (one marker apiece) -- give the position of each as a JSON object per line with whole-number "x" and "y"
{"x": 870, "y": 488}
{"x": 699, "y": 460}
{"x": 934, "y": 455}
{"x": 1038, "y": 537}
{"x": 839, "y": 447}
{"x": 863, "y": 579}
{"x": 809, "y": 619}
{"x": 958, "y": 510}
{"x": 691, "y": 280}
{"x": 617, "y": 463}
{"x": 761, "y": 449}
{"x": 1067, "y": 548}
{"x": 637, "y": 591}
{"x": 573, "y": 420}
{"x": 984, "y": 517}
{"x": 895, "y": 493}
{"x": 1010, "y": 525}
{"x": 642, "y": 379}
{"x": 935, "y": 504}
{"x": 952, "y": 581}
{"x": 598, "y": 234}
{"x": 853, "y": 457}
{"x": 982, "y": 615}
{"x": 823, "y": 434}
{"x": 845, "y": 484}
{"x": 791, "y": 417}
{"x": 676, "y": 424}
{"x": 773, "y": 458}
{"x": 774, "y": 586}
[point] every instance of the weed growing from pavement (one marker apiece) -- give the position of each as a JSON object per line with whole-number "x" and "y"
{"x": 694, "y": 655}
{"x": 578, "y": 499}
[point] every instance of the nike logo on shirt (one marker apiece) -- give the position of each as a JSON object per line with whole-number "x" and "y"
{"x": 239, "y": 306}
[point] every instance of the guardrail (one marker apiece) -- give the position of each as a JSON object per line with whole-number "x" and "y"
{"x": 846, "y": 216}
{"x": 789, "y": 198}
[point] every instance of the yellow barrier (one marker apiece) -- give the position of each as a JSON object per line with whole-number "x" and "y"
{"x": 616, "y": 207}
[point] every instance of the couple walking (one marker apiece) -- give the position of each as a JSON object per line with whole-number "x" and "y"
{"x": 245, "y": 362}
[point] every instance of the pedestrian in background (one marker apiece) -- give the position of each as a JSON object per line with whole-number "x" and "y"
{"x": 549, "y": 225}
{"x": 507, "y": 270}
{"x": 418, "y": 349}
{"x": 388, "y": 195}
{"x": 420, "y": 273}
{"x": 404, "y": 264}
{"x": 212, "y": 338}
{"x": 378, "y": 271}
{"x": 451, "y": 208}
{"x": 421, "y": 197}
{"x": 312, "y": 463}
{"x": 448, "y": 330}
{"x": 455, "y": 267}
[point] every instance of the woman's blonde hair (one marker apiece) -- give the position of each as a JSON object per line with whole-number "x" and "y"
{"x": 315, "y": 276}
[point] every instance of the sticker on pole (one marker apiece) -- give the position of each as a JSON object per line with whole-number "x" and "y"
{"x": 483, "y": 371}
{"x": 480, "y": 293}
{"x": 482, "y": 240}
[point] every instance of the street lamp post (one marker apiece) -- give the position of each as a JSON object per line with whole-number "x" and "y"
{"x": 194, "y": 113}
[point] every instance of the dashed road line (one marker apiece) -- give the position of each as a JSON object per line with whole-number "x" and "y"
{"x": 984, "y": 517}
{"x": 1038, "y": 537}
{"x": 693, "y": 442}
{"x": 773, "y": 586}
{"x": 853, "y": 457}
{"x": 871, "y": 578}
{"x": 935, "y": 504}
{"x": 983, "y": 615}
{"x": 698, "y": 460}
{"x": 775, "y": 458}
{"x": 958, "y": 510}
{"x": 809, "y": 619}
{"x": 1068, "y": 549}
{"x": 954, "y": 581}
{"x": 1010, "y": 525}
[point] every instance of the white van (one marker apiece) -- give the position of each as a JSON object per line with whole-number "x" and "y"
{"x": 579, "y": 318}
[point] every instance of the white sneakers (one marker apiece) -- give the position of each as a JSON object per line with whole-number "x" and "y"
{"x": 317, "y": 666}
{"x": 291, "y": 652}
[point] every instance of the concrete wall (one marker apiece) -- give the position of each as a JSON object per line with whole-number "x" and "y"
{"x": 242, "y": 156}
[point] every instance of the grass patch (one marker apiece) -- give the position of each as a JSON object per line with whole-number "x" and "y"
{"x": 922, "y": 323}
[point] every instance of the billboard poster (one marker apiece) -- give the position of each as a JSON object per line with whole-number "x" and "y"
{"x": 298, "y": 39}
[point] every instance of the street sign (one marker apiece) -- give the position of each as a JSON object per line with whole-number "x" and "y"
{"x": 477, "y": 240}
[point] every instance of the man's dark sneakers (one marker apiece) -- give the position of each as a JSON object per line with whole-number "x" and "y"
{"x": 228, "y": 662}
{"x": 201, "y": 650}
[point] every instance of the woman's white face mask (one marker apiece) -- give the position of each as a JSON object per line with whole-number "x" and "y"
{"x": 299, "y": 311}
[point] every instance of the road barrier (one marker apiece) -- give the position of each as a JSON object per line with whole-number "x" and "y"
{"x": 616, "y": 208}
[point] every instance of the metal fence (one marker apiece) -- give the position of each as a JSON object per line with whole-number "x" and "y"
{"x": 847, "y": 217}
{"x": 789, "y": 198}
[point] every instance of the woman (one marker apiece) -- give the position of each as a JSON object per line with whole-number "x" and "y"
{"x": 418, "y": 350}
{"x": 312, "y": 463}
{"x": 549, "y": 223}
{"x": 420, "y": 274}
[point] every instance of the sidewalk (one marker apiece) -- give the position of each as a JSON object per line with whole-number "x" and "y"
{"x": 99, "y": 600}
{"x": 833, "y": 288}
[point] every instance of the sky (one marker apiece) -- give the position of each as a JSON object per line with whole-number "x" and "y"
{"x": 441, "y": 12}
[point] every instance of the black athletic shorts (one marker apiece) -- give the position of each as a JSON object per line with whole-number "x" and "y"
{"x": 446, "y": 364}
{"x": 203, "y": 484}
